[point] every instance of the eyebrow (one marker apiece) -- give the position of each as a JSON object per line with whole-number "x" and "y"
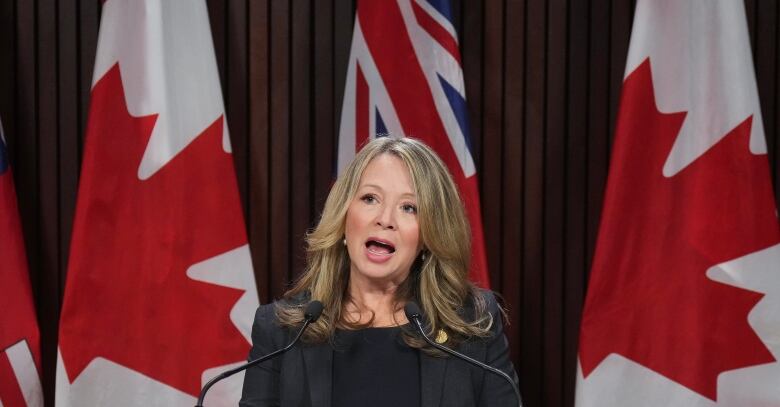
{"x": 404, "y": 195}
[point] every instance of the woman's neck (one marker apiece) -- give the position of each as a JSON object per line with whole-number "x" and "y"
{"x": 379, "y": 300}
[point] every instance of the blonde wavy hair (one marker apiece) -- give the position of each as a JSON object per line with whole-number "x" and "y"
{"x": 438, "y": 281}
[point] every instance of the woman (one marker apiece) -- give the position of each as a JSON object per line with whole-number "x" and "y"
{"x": 393, "y": 230}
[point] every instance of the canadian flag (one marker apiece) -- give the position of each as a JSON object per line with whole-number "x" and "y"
{"x": 683, "y": 305}
{"x": 20, "y": 359}
{"x": 160, "y": 293}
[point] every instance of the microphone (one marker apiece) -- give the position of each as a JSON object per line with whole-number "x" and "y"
{"x": 414, "y": 314}
{"x": 312, "y": 313}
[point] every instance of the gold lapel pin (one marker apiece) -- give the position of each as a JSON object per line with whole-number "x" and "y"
{"x": 441, "y": 337}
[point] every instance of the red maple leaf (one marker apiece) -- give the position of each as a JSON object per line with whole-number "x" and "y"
{"x": 128, "y": 298}
{"x": 649, "y": 299}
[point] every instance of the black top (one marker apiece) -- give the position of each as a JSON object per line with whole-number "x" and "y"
{"x": 374, "y": 367}
{"x": 303, "y": 377}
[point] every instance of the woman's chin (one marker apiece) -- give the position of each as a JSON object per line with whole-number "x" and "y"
{"x": 380, "y": 273}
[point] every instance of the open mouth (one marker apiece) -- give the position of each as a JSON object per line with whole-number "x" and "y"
{"x": 380, "y": 247}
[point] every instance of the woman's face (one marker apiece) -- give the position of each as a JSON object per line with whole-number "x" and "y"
{"x": 382, "y": 232}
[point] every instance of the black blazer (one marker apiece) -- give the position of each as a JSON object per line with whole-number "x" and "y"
{"x": 302, "y": 377}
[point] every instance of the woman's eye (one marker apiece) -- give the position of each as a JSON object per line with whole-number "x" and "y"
{"x": 368, "y": 199}
{"x": 409, "y": 208}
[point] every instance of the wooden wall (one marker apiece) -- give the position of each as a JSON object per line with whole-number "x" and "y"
{"x": 543, "y": 81}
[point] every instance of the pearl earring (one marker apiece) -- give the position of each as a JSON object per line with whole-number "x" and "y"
{"x": 344, "y": 241}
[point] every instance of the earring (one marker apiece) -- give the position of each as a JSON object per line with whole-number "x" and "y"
{"x": 423, "y": 256}
{"x": 344, "y": 241}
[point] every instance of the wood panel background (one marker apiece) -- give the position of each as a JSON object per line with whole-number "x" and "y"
{"x": 543, "y": 81}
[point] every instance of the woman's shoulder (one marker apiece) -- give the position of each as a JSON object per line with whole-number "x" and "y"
{"x": 489, "y": 296}
{"x": 482, "y": 301}
{"x": 267, "y": 329}
{"x": 268, "y": 312}
{"x": 485, "y": 306}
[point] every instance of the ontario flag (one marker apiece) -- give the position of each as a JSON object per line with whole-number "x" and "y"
{"x": 20, "y": 358}
{"x": 683, "y": 305}
{"x": 160, "y": 293}
{"x": 405, "y": 78}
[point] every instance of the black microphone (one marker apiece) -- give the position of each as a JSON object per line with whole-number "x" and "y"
{"x": 312, "y": 313}
{"x": 414, "y": 314}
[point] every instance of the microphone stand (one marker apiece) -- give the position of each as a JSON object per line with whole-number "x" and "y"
{"x": 413, "y": 314}
{"x": 312, "y": 314}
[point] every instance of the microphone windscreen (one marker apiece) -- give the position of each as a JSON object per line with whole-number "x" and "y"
{"x": 412, "y": 310}
{"x": 313, "y": 311}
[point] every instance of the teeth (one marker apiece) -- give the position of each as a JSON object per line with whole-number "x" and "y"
{"x": 379, "y": 253}
{"x": 386, "y": 249}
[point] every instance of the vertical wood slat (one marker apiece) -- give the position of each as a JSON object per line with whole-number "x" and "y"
{"x": 88, "y": 22}
{"x": 280, "y": 160}
{"x": 25, "y": 134}
{"x": 48, "y": 167}
{"x": 554, "y": 201}
{"x": 492, "y": 104}
{"x": 301, "y": 132}
{"x": 598, "y": 114}
{"x": 324, "y": 104}
{"x": 533, "y": 212}
{"x": 8, "y": 73}
{"x": 236, "y": 92}
{"x": 575, "y": 255}
{"x": 69, "y": 126}
{"x": 542, "y": 82}
{"x": 621, "y": 17}
{"x": 217, "y": 20}
{"x": 508, "y": 239}
{"x": 258, "y": 214}
{"x": 765, "y": 50}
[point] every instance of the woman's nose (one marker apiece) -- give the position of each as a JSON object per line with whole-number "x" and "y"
{"x": 385, "y": 218}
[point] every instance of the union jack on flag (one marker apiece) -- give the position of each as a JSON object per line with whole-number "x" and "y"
{"x": 405, "y": 78}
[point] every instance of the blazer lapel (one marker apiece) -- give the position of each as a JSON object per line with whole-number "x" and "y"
{"x": 319, "y": 372}
{"x": 432, "y": 372}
